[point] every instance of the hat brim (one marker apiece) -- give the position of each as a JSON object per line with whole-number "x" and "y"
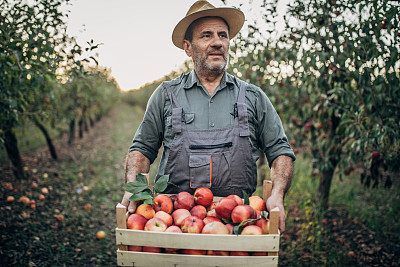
{"x": 234, "y": 17}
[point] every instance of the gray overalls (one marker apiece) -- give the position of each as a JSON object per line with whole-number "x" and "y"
{"x": 219, "y": 159}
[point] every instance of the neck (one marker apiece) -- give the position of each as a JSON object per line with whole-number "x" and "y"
{"x": 210, "y": 80}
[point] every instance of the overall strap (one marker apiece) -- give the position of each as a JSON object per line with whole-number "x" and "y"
{"x": 242, "y": 111}
{"x": 178, "y": 116}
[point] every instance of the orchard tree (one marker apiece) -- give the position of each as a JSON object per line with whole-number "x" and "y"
{"x": 333, "y": 76}
{"x": 30, "y": 33}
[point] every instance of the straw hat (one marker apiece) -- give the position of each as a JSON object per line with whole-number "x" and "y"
{"x": 234, "y": 17}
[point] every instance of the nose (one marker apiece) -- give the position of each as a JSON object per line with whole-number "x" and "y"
{"x": 217, "y": 42}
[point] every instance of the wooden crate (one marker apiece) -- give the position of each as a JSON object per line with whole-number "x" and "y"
{"x": 268, "y": 243}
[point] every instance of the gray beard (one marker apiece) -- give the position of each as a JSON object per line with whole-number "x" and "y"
{"x": 202, "y": 67}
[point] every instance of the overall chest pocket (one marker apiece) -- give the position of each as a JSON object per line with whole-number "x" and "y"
{"x": 209, "y": 165}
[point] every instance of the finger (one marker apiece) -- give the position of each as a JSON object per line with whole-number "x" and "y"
{"x": 132, "y": 207}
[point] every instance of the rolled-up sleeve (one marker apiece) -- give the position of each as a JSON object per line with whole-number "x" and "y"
{"x": 149, "y": 135}
{"x": 270, "y": 131}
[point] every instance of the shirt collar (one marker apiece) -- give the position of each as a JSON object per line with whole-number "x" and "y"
{"x": 192, "y": 79}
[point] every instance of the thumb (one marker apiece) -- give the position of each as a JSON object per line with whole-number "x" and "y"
{"x": 132, "y": 206}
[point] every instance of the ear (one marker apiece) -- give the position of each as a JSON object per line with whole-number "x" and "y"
{"x": 187, "y": 46}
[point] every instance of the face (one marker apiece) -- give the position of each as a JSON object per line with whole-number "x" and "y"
{"x": 209, "y": 48}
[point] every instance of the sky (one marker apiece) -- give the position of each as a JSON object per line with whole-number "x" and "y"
{"x": 135, "y": 35}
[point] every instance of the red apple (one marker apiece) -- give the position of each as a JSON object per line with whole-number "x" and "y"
{"x": 173, "y": 229}
{"x": 218, "y": 252}
{"x": 209, "y": 219}
{"x": 252, "y": 230}
{"x": 193, "y": 225}
{"x": 225, "y": 207}
{"x": 135, "y": 248}
{"x": 165, "y": 217}
{"x": 257, "y": 203}
{"x": 136, "y": 222}
{"x": 152, "y": 249}
{"x": 184, "y": 200}
{"x": 156, "y": 225}
{"x": 199, "y": 211}
{"x": 264, "y": 225}
{"x": 203, "y": 196}
{"x": 259, "y": 253}
{"x": 239, "y": 253}
{"x": 243, "y": 212}
{"x": 238, "y": 200}
{"x": 230, "y": 228}
{"x": 217, "y": 228}
{"x": 194, "y": 251}
{"x": 179, "y": 215}
{"x": 212, "y": 205}
{"x": 164, "y": 203}
{"x": 211, "y": 213}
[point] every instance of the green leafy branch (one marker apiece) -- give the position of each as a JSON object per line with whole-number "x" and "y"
{"x": 141, "y": 189}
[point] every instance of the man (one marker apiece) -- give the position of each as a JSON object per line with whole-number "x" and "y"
{"x": 211, "y": 124}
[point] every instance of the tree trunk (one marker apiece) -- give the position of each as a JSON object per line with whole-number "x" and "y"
{"x": 11, "y": 144}
{"x": 325, "y": 182}
{"x": 91, "y": 121}
{"x": 52, "y": 149}
{"x": 80, "y": 127}
{"x": 71, "y": 138}
{"x": 85, "y": 124}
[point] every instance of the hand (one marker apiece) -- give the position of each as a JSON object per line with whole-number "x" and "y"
{"x": 130, "y": 204}
{"x": 277, "y": 201}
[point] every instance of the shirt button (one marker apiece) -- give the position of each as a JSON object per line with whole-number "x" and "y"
{"x": 212, "y": 101}
{"x": 212, "y": 124}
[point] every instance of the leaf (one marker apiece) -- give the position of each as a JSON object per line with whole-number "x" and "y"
{"x": 237, "y": 229}
{"x": 161, "y": 184}
{"x": 264, "y": 214}
{"x": 142, "y": 178}
{"x": 246, "y": 198}
{"x": 146, "y": 194}
{"x": 135, "y": 187}
{"x": 149, "y": 201}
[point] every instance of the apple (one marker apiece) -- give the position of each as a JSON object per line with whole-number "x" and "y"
{"x": 212, "y": 205}
{"x": 194, "y": 251}
{"x": 203, "y": 196}
{"x": 230, "y": 228}
{"x": 179, "y": 215}
{"x": 173, "y": 229}
{"x": 243, "y": 212}
{"x": 42, "y": 197}
{"x": 192, "y": 225}
{"x": 209, "y": 219}
{"x": 146, "y": 210}
{"x": 199, "y": 211}
{"x": 264, "y": 225}
{"x": 165, "y": 217}
{"x": 252, "y": 230}
{"x": 45, "y": 190}
{"x": 225, "y": 207}
{"x": 217, "y": 228}
{"x": 239, "y": 253}
{"x": 211, "y": 213}
{"x": 164, "y": 203}
{"x": 100, "y": 235}
{"x": 34, "y": 185}
{"x": 155, "y": 225}
{"x": 257, "y": 203}
{"x": 152, "y": 249}
{"x": 218, "y": 252}
{"x": 135, "y": 248}
{"x": 136, "y": 222}
{"x": 24, "y": 199}
{"x": 259, "y": 253}
{"x": 184, "y": 200}
{"x": 238, "y": 200}
{"x": 375, "y": 154}
{"x": 60, "y": 217}
{"x": 88, "y": 206}
{"x": 10, "y": 199}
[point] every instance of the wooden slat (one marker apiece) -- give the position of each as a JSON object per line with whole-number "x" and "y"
{"x": 121, "y": 221}
{"x": 198, "y": 241}
{"x": 137, "y": 259}
{"x": 274, "y": 226}
{"x": 267, "y": 189}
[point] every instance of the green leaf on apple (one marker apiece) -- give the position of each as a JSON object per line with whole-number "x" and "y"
{"x": 264, "y": 214}
{"x": 135, "y": 187}
{"x": 144, "y": 195}
{"x": 161, "y": 184}
{"x": 246, "y": 198}
{"x": 141, "y": 178}
{"x": 149, "y": 201}
{"x": 237, "y": 229}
